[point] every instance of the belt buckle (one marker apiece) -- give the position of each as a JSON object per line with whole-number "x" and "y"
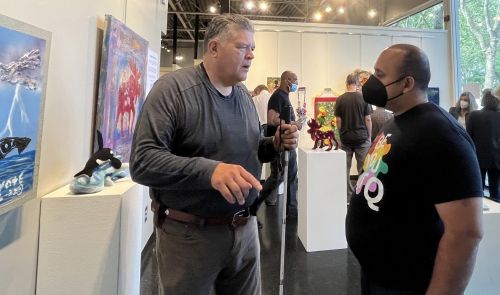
{"x": 242, "y": 213}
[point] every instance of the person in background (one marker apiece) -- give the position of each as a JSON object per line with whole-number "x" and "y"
{"x": 355, "y": 126}
{"x": 260, "y": 100}
{"x": 197, "y": 146}
{"x": 415, "y": 220}
{"x": 463, "y": 107}
{"x": 483, "y": 127}
{"x": 278, "y": 103}
{"x": 379, "y": 117}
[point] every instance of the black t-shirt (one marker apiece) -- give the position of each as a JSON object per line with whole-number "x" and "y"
{"x": 352, "y": 109}
{"x": 277, "y": 102}
{"x": 421, "y": 158}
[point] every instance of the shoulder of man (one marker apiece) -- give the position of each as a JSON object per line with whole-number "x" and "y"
{"x": 182, "y": 79}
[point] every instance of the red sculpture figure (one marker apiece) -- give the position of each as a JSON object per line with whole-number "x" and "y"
{"x": 128, "y": 94}
{"x": 319, "y": 136}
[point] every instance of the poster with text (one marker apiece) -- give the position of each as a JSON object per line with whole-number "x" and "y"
{"x": 24, "y": 52}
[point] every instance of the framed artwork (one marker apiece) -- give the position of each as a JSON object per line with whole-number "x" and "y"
{"x": 121, "y": 85}
{"x": 273, "y": 83}
{"x": 24, "y": 59}
{"x": 324, "y": 110}
{"x": 433, "y": 94}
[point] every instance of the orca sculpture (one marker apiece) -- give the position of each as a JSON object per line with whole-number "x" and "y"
{"x": 99, "y": 157}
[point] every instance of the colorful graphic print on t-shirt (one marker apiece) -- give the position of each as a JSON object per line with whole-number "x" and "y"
{"x": 373, "y": 188}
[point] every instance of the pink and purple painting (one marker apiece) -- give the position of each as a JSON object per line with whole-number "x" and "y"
{"x": 121, "y": 85}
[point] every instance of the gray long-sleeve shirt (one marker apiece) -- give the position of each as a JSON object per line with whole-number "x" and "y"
{"x": 185, "y": 128}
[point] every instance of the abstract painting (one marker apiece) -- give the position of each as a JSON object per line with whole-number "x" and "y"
{"x": 121, "y": 85}
{"x": 24, "y": 52}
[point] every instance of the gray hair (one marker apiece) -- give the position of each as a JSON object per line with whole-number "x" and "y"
{"x": 224, "y": 24}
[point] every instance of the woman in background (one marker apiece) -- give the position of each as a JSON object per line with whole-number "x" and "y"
{"x": 463, "y": 107}
{"x": 484, "y": 128}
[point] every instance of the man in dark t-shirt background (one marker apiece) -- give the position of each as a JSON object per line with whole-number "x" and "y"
{"x": 415, "y": 219}
{"x": 355, "y": 126}
{"x": 276, "y": 106}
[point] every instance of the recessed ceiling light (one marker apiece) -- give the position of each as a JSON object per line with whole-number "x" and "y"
{"x": 249, "y": 5}
{"x": 372, "y": 13}
{"x": 318, "y": 16}
{"x": 263, "y": 6}
{"x": 328, "y": 9}
{"x": 212, "y": 9}
{"x": 341, "y": 10}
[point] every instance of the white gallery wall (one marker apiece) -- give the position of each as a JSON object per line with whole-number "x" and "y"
{"x": 322, "y": 55}
{"x": 69, "y": 104}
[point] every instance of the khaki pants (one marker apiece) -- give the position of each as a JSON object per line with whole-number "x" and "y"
{"x": 193, "y": 259}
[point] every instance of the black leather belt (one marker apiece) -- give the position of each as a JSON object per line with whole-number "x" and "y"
{"x": 239, "y": 218}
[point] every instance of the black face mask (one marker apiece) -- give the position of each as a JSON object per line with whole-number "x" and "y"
{"x": 374, "y": 91}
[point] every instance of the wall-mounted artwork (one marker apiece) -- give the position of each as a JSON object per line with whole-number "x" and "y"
{"x": 273, "y": 83}
{"x": 433, "y": 94}
{"x": 24, "y": 58}
{"x": 324, "y": 113}
{"x": 121, "y": 85}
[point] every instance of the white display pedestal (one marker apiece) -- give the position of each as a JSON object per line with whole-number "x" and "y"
{"x": 91, "y": 244}
{"x": 484, "y": 279}
{"x": 322, "y": 199}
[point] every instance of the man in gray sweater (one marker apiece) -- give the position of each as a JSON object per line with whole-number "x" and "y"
{"x": 197, "y": 145}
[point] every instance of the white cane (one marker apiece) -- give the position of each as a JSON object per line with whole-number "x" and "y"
{"x": 286, "y": 116}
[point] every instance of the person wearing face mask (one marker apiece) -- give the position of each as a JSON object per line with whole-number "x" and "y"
{"x": 463, "y": 107}
{"x": 277, "y": 104}
{"x": 484, "y": 128}
{"x": 415, "y": 219}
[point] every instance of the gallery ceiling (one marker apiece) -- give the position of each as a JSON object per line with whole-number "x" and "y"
{"x": 353, "y": 12}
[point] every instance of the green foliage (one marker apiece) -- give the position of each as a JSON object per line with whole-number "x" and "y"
{"x": 473, "y": 58}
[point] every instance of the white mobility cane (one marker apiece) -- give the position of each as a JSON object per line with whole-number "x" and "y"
{"x": 285, "y": 116}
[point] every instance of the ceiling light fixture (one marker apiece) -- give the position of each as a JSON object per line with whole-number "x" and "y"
{"x": 249, "y": 5}
{"x": 341, "y": 10}
{"x": 212, "y": 9}
{"x": 372, "y": 13}
{"x": 318, "y": 16}
{"x": 263, "y": 6}
{"x": 328, "y": 9}
{"x": 179, "y": 57}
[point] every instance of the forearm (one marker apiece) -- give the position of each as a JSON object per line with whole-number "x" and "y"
{"x": 454, "y": 264}
{"x": 159, "y": 168}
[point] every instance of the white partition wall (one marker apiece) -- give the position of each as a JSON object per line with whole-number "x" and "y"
{"x": 371, "y": 46}
{"x": 342, "y": 47}
{"x": 322, "y": 55}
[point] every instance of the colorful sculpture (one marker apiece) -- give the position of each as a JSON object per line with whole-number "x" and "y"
{"x": 319, "y": 137}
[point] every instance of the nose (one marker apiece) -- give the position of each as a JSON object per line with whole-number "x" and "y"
{"x": 250, "y": 54}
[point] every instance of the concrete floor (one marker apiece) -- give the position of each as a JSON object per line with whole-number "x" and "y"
{"x": 326, "y": 272}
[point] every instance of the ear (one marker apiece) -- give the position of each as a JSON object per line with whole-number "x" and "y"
{"x": 409, "y": 84}
{"x": 213, "y": 47}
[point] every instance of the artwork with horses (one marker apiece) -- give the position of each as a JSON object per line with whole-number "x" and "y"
{"x": 23, "y": 73}
{"x": 121, "y": 85}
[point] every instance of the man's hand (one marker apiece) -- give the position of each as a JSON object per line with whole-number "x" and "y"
{"x": 289, "y": 137}
{"x": 233, "y": 182}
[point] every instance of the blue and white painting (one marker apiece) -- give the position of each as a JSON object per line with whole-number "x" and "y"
{"x": 22, "y": 85}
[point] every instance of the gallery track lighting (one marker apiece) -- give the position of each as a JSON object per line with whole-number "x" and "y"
{"x": 318, "y": 16}
{"x": 212, "y": 9}
{"x": 249, "y": 5}
{"x": 263, "y": 6}
{"x": 372, "y": 13}
{"x": 328, "y": 9}
{"x": 179, "y": 57}
{"x": 341, "y": 10}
